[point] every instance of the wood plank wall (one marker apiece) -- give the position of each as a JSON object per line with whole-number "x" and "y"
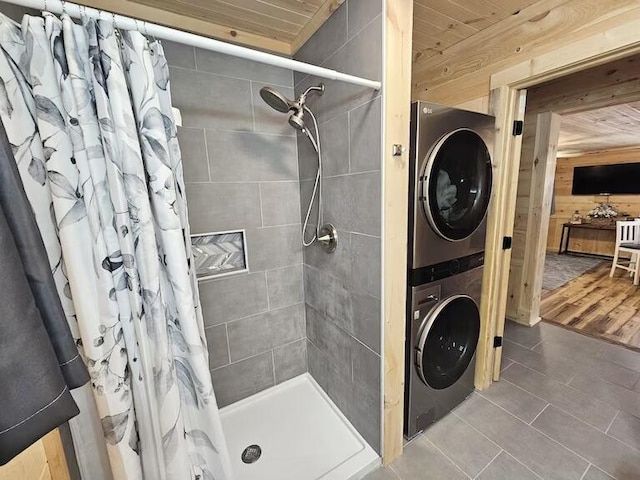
{"x": 44, "y": 460}
{"x": 463, "y": 71}
{"x": 565, "y": 203}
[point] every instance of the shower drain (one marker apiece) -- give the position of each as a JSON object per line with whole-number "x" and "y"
{"x": 251, "y": 454}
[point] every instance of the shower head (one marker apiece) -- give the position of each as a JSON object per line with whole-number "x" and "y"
{"x": 296, "y": 120}
{"x": 295, "y": 109}
{"x": 276, "y": 100}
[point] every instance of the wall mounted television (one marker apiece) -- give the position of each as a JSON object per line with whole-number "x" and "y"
{"x": 616, "y": 179}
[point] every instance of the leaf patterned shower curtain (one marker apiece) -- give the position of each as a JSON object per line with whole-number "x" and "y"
{"x": 87, "y": 110}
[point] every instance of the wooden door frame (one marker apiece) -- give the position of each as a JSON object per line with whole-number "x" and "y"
{"x": 508, "y": 97}
{"x": 540, "y": 136}
{"x": 612, "y": 83}
{"x": 398, "y": 25}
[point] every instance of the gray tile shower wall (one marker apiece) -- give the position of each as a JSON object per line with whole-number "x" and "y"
{"x": 241, "y": 172}
{"x": 343, "y": 290}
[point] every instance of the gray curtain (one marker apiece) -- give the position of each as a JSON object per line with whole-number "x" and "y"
{"x": 39, "y": 362}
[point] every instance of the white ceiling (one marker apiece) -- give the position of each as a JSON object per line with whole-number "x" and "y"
{"x": 603, "y": 129}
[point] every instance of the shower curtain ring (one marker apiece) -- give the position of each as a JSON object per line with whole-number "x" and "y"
{"x": 113, "y": 19}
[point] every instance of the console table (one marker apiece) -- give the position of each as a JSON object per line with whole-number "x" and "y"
{"x": 564, "y": 239}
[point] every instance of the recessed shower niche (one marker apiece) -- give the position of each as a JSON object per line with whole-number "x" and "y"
{"x": 218, "y": 254}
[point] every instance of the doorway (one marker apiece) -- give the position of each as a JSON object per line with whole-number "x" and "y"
{"x": 583, "y": 119}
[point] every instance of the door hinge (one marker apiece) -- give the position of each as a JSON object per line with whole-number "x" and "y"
{"x": 497, "y": 342}
{"x": 518, "y": 126}
{"x": 506, "y": 243}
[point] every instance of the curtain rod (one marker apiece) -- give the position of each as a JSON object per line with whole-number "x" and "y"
{"x": 179, "y": 36}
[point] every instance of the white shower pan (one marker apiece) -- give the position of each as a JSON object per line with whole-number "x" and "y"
{"x": 302, "y": 435}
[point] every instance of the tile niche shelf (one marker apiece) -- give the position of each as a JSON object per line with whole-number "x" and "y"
{"x": 219, "y": 254}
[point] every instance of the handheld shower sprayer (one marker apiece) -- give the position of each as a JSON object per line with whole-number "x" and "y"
{"x": 295, "y": 108}
{"x": 326, "y": 235}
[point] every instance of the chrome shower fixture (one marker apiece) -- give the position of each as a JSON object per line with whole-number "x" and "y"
{"x": 326, "y": 235}
{"x": 295, "y": 108}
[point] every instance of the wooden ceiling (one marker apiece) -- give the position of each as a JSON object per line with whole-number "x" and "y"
{"x": 280, "y": 20}
{"x": 284, "y": 25}
{"x": 440, "y": 24}
{"x": 608, "y": 128}
{"x": 280, "y": 26}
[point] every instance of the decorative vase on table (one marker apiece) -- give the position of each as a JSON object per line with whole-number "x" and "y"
{"x": 576, "y": 218}
{"x": 603, "y": 214}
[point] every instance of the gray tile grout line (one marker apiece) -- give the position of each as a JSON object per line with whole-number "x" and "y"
{"x": 273, "y": 366}
{"x": 566, "y": 411}
{"x": 555, "y": 381}
{"x": 348, "y": 174}
{"x": 541, "y": 412}
{"x": 395, "y": 473}
{"x": 474, "y": 428}
{"x": 362, "y": 343}
{"x": 195, "y": 59}
{"x": 241, "y": 132}
{"x": 257, "y": 354}
{"x": 494, "y": 443}
{"x": 539, "y": 343}
{"x": 242, "y": 182}
{"x": 585, "y": 472}
{"x": 588, "y": 424}
{"x": 348, "y": 40}
{"x": 226, "y": 332}
{"x": 256, "y": 314}
{"x": 507, "y": 367}
{"x": 562, "y": 410}
{"x": 568, "y": 384}
{"x": 425, "y": 439}
{"x": 602, "y": 345}
{"x": 260, "y": 199}
{"x": 611, "y": 422}
{"x": 206, "y": 72}
{"x": 519, "y": 388}
{"x": 541, "y": 432}
{"x": 488, "y": 464}
{"x": 266, "y": 286}
{"x": 206, "y": 152}
{"x": 520, "y": 344}
{"x": 349, "y": 140}
{"x": 532, "y": 472}
{"x": 548, "y": 376}
{"x": 253, "y": 107}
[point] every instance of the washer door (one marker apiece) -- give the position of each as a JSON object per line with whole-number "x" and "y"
{"x": 447, "y": 340}
{"x": 456, "y": 184}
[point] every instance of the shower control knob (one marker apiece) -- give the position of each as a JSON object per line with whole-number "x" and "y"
{"x": 328, "y": 238}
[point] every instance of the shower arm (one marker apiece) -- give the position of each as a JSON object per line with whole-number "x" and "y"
{"x": 300, "y": 101}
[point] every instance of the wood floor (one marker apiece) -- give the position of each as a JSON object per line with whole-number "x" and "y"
{"x": 597, "y": 305}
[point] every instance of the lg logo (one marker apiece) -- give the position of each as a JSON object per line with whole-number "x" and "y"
{"x": 427, "y": 110}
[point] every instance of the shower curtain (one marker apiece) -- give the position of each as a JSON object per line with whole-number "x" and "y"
{"x": 87, "y": 110}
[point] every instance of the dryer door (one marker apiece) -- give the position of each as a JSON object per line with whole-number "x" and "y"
{"x": 456, "y": 184}
{"x": 447, "y": 341}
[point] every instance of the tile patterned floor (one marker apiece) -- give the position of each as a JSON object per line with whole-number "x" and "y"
{"x": 567, "y": 408}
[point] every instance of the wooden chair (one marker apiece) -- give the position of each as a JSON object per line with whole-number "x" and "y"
{"x": 627, "y": 241}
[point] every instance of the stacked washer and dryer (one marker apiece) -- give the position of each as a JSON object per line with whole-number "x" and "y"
{"x": 449, "y": 191}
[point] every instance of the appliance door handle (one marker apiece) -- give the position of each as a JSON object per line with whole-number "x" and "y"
{"x": 430, "y": 298}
